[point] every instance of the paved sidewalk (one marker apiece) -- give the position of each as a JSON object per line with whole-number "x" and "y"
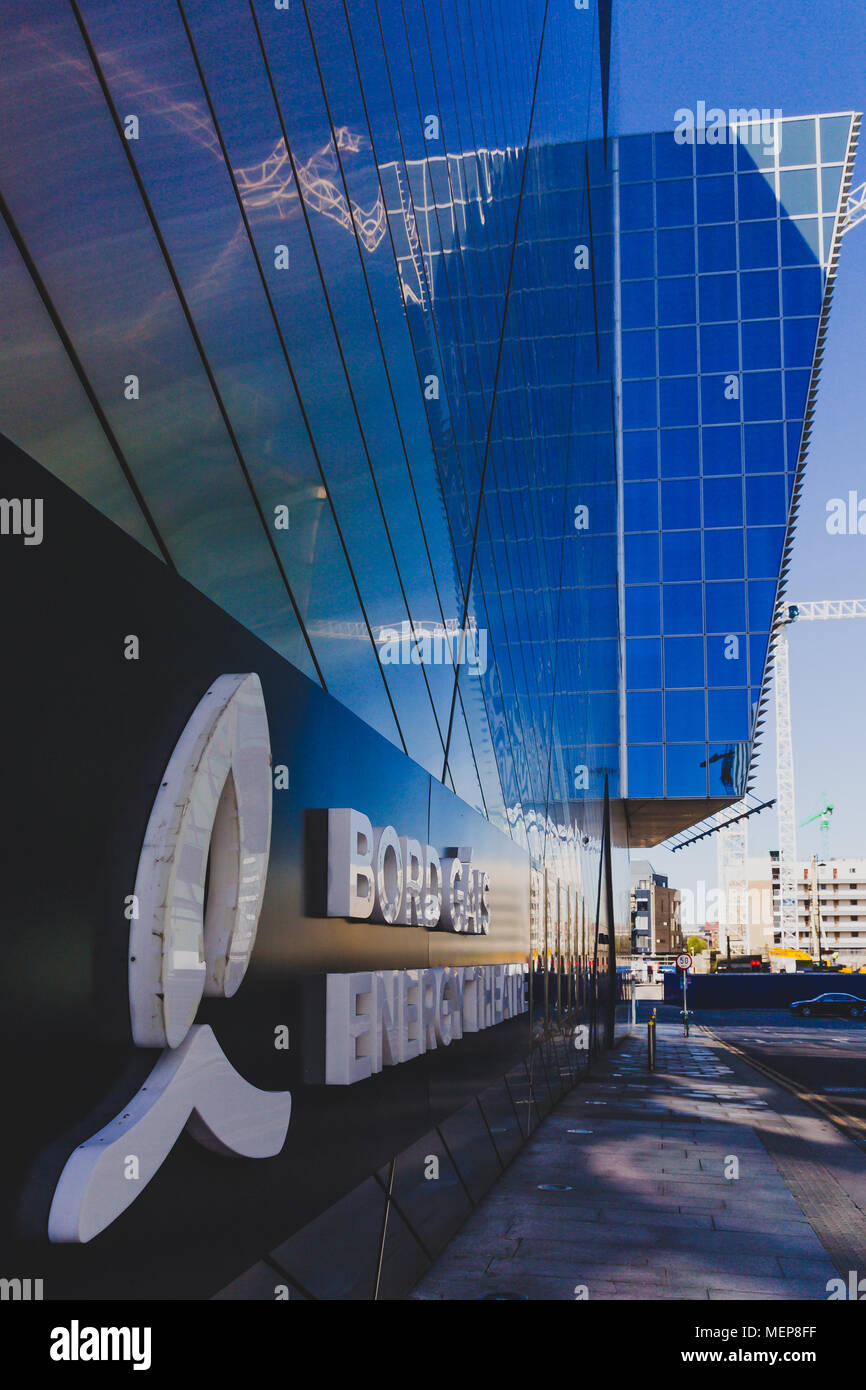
{"x": 627, "y": 1191}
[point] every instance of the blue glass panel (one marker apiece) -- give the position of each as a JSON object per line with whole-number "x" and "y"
{"x": 642, "y": 611}
{"x": 678, "y": 352}
{"x": 683, "y": 608}
{"x": 678, "y": 400}
{"x": 685, "y": 715}
{"x": 681, "y": 555}
{"x": 638, "y": 354}
{"x": 758, "y": 650}
{"x": 638, "y": 304}
{"x": 723, "y": 554}
{"x": 723, "y": 767}
{"x": 834, "y": 138}
{"x": 794, "y": 432}
{"x": 643, "y": 657}
{"x": 604, "y": 605}
{"x": 765, "y": 448}
{"x": 723, "y": 501}
{"x": 679, "y": 453}
{"x": 676, "y": 301}
{"x": 640, "y": 454}
{"x": 601, "y": 658}
{"x": 831, "y": 184}
{"x": 726, "y": 607}
{"x": 719, "y": 404}
{"x": 602, "y": 506}
{"x": 764, "y": 548}
{"x": 636, "y": 207}
{"x": 685, "y": 769}
{"x": 645, "y": 770}
{"x": 727, "y": 659}
{"x": 673, "y": 161}
{"x": 644, "y": 716}
{"x": 717, "y": 248}
{"x": 720, "y": 348}
{"x": 639, "y": 408}
{"x": 759, "y": 294}
{"x": 758, "y": 245}
{"x": 720, "y": 447}
{"x": 641, "y": 507}
{"x": 681, "y": 505}
{"x": 796, "y": 391}
{"x": 637, "y": 255}
{"x": 684, "y": 661}
{"x": 797, "y": 144}
{"x": 762, "y": 396}
{"x": 714, "y": 159}
{"x": 762, "y": 346}
{"x": 765, "y": 500}
{"x": 755, "y": 197}
{"x": 728, "y": 715}
{"x": 756, "y": 145}
{"x": 800, "y": 241}
{"x": 642, "y": 558}
{"x": 762, "y": 594}
{"x": 718, "y": 294}
{"x": 802, "y": 291}
{"x": 603, "y": 252}
{"x": 675, "y": 203}
{"x": 716, "y": 200}
{"x": 798, "y": 191}
{"x": 676, "y": 249}
{"x": 635, "y": 158}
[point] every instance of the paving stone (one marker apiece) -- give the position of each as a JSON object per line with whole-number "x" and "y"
{"x": 650, "y": 1213}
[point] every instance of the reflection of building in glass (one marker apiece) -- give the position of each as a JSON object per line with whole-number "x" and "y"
{"x": 656, "y": 928}
{"x": 727, "y": 254}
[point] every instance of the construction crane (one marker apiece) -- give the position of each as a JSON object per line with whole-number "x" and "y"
{"x": 795, "y": 612}
{"x": 823, "y": 819}
{"x": 855, "y": 208}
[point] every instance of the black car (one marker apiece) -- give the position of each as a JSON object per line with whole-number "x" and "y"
{"x": 835, "y": 1005}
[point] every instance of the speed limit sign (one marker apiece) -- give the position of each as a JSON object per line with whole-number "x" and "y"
{"x": 684, "y": 961}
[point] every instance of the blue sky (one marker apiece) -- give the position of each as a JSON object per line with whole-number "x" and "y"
{"x": 802, "y": 57}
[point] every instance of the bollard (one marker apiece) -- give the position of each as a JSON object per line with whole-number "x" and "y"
{"x": 651, "y": 1042}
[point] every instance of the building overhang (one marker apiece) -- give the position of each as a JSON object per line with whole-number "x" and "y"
{"x": 652, "y": 820}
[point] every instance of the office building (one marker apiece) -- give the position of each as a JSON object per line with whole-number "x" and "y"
{"x": 398, "y": 472}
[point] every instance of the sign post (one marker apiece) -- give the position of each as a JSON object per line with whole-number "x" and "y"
{"x": 684, "y": 964}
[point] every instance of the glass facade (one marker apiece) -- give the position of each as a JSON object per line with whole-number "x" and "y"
{"x": 317, "y": 303}
{"x": 489, "y": 425}
{"x": 726, "y": 254}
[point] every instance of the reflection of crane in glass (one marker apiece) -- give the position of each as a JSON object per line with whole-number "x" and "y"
{"x": 426, "y": 199}
{"x": 268, "y": 184}
{"x": 271, "y": 184}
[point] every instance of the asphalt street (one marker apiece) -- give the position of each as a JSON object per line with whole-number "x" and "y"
{"x": 823, "y": 1059}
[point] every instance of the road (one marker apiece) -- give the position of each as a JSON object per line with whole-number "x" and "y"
{"x": 821, "y": 1058}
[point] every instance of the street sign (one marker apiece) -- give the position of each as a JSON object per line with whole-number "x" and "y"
{"x": 684, "y": 961}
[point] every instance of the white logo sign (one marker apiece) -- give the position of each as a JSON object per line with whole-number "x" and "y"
{"x": 214, "y": 801}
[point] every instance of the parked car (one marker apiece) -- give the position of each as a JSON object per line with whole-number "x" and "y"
{"x": 835, "y": 1005}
